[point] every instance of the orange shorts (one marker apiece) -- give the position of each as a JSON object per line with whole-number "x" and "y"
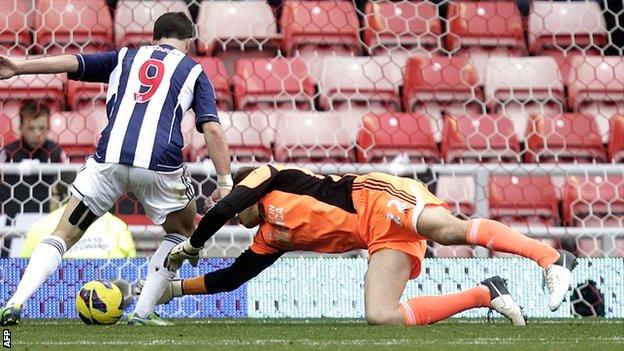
{"x": 388, "y": 208}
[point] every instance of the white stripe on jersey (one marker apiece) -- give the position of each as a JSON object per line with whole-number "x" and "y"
{"x": 185, "y": 98}
{"x": 118, "y": 132}
{"x": 113, "y": 83}
{"x": 147, "y": 134}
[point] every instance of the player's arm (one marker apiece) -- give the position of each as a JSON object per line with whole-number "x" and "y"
{"x": 51, "y": 64}
{"x": 207, "y": 123}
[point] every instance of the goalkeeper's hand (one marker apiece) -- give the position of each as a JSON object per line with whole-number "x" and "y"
{"x": 173, "y": 289}
{"x": 180, "y": 253}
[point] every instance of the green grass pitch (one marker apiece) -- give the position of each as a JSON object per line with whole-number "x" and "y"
{"x": 319, "y": 334}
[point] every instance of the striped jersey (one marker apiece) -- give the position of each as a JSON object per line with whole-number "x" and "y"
{"x": 150, "y": 88}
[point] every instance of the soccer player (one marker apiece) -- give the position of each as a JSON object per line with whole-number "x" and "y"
{"x": 149, "y": 90}
{"x": 390, "y": 216}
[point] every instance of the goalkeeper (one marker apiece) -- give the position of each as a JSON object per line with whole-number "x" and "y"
{"x": 390, "y": 216}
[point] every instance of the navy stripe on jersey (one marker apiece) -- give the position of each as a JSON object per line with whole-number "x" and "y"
{"x": 126, "y": 64}
{"x": 168, "y": 143}
{"x": 136, "y": 122}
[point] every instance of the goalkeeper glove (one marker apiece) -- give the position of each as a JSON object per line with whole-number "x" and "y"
{"x": 180, "y": 253}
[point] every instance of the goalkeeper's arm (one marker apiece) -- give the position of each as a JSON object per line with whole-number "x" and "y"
{"x": 248, "y": 265}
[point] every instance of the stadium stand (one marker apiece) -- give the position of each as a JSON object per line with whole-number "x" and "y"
{"x": 616, "y": 142}
{"x": 68, "y": 26}
{"x": 484, "y": 138}
{"x": 593, "y": 201}
{"x": 386, "y": 136}
{"x": 216, "y": 71}
{"x": 15, "y": 23}
{"x": 46, "y": 87}
{"x": 77, "y": 133}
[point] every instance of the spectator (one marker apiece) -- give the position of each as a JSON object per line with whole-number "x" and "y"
{"x": 31, "y": 193}
{"x": 107, "y": 237}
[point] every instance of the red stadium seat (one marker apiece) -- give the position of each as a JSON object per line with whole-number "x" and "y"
{"x": 65, "y": 26}
{"x": 479, "y": 138}
{"x": 596, "y": 87}
{"x": 318, "y": 25}
{"x": 7, "y": 134}
{"x": 563, "y": 138}
{"x": 590, "y": 201}
{"x": 316, "y": 136}
{"x": 388, "y": 135}
{"x": 74, "y": 133}
{"x": 485, "y": 25}
{"x": 249, "y": 135}
{"x": 273, "y": 83}
{"x": 519, "y": 86}
{"x": 392, "y": 27}
{"x": 134, "y": 20}
{"x": 566, "y": 24}
{"x": 531, "y": 200}
{"x": 365, "y": 83}
{"x": 15, "y": 20}
{"x": 438, "y": 85}
{"x": 459, "y": 193}
{"x": 90, "y": 100}
{"x": 616, "y": 141}
{"x": 245, "y": 26}
{"x": 45, "y": 87}
{"x": 214, "y": 68}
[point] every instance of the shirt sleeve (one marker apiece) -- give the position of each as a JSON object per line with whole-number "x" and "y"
{"x": 204, "y": 103}
{"x": 249, "y": 191}
{"x": 95, "y": 67}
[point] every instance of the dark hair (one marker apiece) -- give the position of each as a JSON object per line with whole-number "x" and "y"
{"x": 173, "y": 25}
{"x": 31, "y": 109}
{"x": 242, "y": 173}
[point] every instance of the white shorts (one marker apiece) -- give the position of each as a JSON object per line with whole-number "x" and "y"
{"x": 99, "y": 185}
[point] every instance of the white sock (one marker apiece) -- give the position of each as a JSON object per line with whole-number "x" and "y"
{"x": 44, "y": 260}
{"x": 157, "y": 276}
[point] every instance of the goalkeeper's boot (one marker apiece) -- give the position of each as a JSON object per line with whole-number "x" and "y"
{"x": 10, "y": 315}
{"x": 152, "y": 319}
{"x": 502, "y": 302}
{"x": 558, "y": 277}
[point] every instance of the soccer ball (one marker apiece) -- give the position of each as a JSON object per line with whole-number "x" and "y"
{"x": 99, "y": 302}
{"x": 587, "y": 300}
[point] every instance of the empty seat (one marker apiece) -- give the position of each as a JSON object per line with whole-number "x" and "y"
{"x": 65, "y": 26}
{"x": 479, "y": 138}
{"x": 590, "y": 201}
{"x": 232, "y": 24}
{"x": 134, "y": 20}
{"x": 395, "y": 27}
{"x": 15, "y": 26}
{"x": 7, "y": 134}
{"x": 616, "y": 141}
{"x": 316, "y": 136}
{"x": 273, "y": 83}
{"x": 596, "y": 87}
{"x": 44, "y": 87}
{"x": 90, "y": 99}
{"x": 490, "y": 26}
{"x": 75, "y": 133}
{"x": 565, "y": 25}
{"x": 519, "y": 86}
{"x": 459, "y": 193}
{"x": 310, "y": 26}
{"x": 438, "y": 85}
{"x": 563, "y": 138}
{"x": 215, "y": 69}
{"x": 388, "y": 135}
{"x": 523, "y": 199}
{"x": 368, "y": 83}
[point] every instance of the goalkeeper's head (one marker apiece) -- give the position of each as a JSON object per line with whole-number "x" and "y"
{"x": 175, "y": 29}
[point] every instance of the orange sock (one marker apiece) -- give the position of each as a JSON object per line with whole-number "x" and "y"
{"x": 430, "y": 309}
{"x": 194, "y": 286}
{"x": 497, "y": 236}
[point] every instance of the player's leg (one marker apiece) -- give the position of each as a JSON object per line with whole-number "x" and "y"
{"x": 387, "y": 275}
{"x": 169, "y": 200}
{"x": 96, "y": 188}
{"x": 439, "y": 225}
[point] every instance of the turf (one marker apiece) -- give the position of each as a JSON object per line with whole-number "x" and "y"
{"x": 319, "y": 334}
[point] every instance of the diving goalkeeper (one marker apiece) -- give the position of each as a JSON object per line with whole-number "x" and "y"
{"x": 390, "y": 216}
